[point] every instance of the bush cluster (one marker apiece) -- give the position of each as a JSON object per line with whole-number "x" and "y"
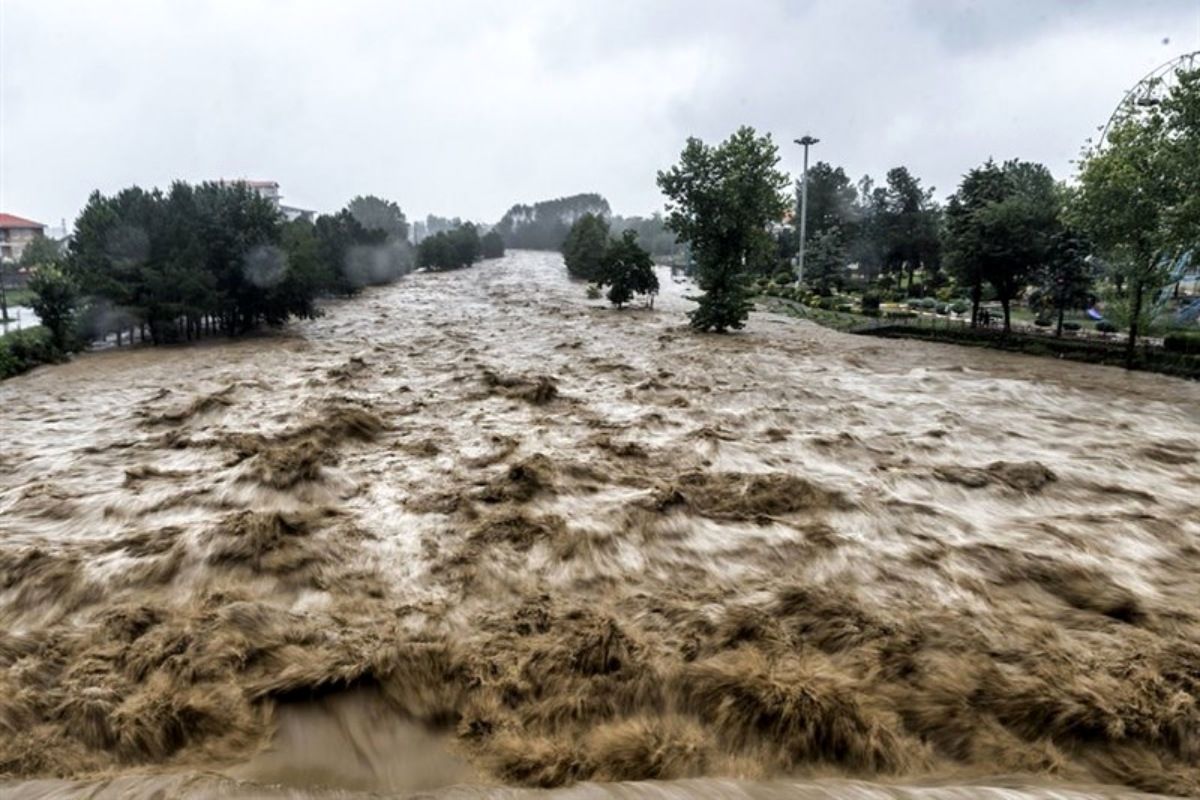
{"x": 23, "y": 350}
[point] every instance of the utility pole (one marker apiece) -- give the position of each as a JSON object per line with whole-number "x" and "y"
{"x": 806, "y": 142}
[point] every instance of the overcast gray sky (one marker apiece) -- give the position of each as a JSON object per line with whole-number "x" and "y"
{"x": 463, "y": 108}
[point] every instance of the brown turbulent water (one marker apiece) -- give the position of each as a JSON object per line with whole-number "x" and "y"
{"x": 474, "y": 531}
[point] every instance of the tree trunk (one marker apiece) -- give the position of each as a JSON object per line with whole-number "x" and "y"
{"x": 1135, "y": 317}
{"x": 976, "y": 298}
{"x": 1058, "y": 332}
{"x": 1004, "y": 302}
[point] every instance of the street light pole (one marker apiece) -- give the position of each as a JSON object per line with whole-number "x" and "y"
{"x": 806, "y": 142}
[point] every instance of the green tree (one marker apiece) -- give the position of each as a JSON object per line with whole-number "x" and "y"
{"x": 909, "y": 226}
{"x": 375, "y": 213}
{"x": 721, "y": 201}
{"x": 584, "y": 248}
{"x": 967, "y": 238}
{"x": 1020, "y": 228}
{"x": 1065, "y": 278}
{"x": 492, "y": 245}
{"x": 825, "y": 262}
{"x": 55, "y": 299}
{"x": 1138, "y": 199}
{"x": 627, "y": 269}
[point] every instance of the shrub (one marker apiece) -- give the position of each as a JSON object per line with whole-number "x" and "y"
{"x": 21, "y": 351}
{"x": 928, "y": 303}
{"x": 1183, "y": 342}
{"x": 1104, "y": 326}
{"x": 959, "y": 307}
{"x": 899, "y": 315}
{"x": 943, "y": 309}
{"x": 1071, "y": 326}
{"x": 913, "y": 302}
{"x": 593, "y": 292}
{"x": 845, "y": 308}
{"x": 1042, "y": 322}
{"x": 870, "y": 302}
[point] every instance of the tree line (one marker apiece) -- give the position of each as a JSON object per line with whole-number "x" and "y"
{"x": 176, "y": 265}
{"x": 1009, "y": 232}
{"x": 458, "y": 247}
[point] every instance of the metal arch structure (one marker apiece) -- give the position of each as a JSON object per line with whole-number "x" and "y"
{"x": 1150, "y": 90}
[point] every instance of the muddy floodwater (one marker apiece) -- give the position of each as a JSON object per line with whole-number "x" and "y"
{"x": 473, "y": 534}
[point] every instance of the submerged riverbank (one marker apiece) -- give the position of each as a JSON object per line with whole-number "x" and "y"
{"x": 473, "y": 528}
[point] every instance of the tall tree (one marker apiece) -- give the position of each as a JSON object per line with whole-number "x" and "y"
{"x": 584, "y": 248}
{"x": 721, "y": 200}
{"x": 909, "y": 225}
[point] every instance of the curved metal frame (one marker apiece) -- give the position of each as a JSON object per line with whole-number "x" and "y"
{"x": 1143, "y": 89}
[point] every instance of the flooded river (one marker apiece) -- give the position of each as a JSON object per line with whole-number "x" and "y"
{"x": 472, "y": 534}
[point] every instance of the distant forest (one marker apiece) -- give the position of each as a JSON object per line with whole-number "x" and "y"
{"x": 544, "y": 225}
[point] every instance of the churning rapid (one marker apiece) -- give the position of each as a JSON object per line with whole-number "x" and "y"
{"x": 473, "y": 530}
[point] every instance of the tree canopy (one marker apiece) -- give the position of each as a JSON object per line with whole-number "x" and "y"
{"x": 627, "y": 269}
{"x": 1138, "y": 199}
{"x": 722, "y": 200}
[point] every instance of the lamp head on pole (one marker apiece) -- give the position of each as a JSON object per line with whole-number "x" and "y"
{"x": 807, "y": 140}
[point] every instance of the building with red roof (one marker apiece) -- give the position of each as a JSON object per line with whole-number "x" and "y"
{"x": 15, "y": 233}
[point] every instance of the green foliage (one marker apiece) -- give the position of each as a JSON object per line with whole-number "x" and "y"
{"x": 1071, "y": 326}
{"x": 627, "y": 270}
{"x": 825, "y": 262}
{"x": 721, "y": 201}
{"x": 23, "y": 350}
{"x": 42, "y": 250}
{"x": 492, "y": 245}
{"x": 544, "y": 225}
{"x": 959, "y": 307}
{"x": 1104, "y": 326}
{"x": 593, "y": 292}
{"x": 1139, "y": 197}
{"x": 584, "y": 247}
{"x": 870, "y": 302}
{"x": 210, "y": 256}
{"x": 1001, "y": 225}
{"x": 453, "y": 249}
{"x": 375, "y": 213}
{"x": 55, "y": 299}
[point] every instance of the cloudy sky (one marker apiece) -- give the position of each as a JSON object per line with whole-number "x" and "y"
{"x": 463, "y": 108}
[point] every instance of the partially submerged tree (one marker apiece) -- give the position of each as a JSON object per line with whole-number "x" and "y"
{"x": 584, "y": 248}
{"x": 721, "y": 201}
{"x": 627, "y": 270}
{"x": 452, "y": 249}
